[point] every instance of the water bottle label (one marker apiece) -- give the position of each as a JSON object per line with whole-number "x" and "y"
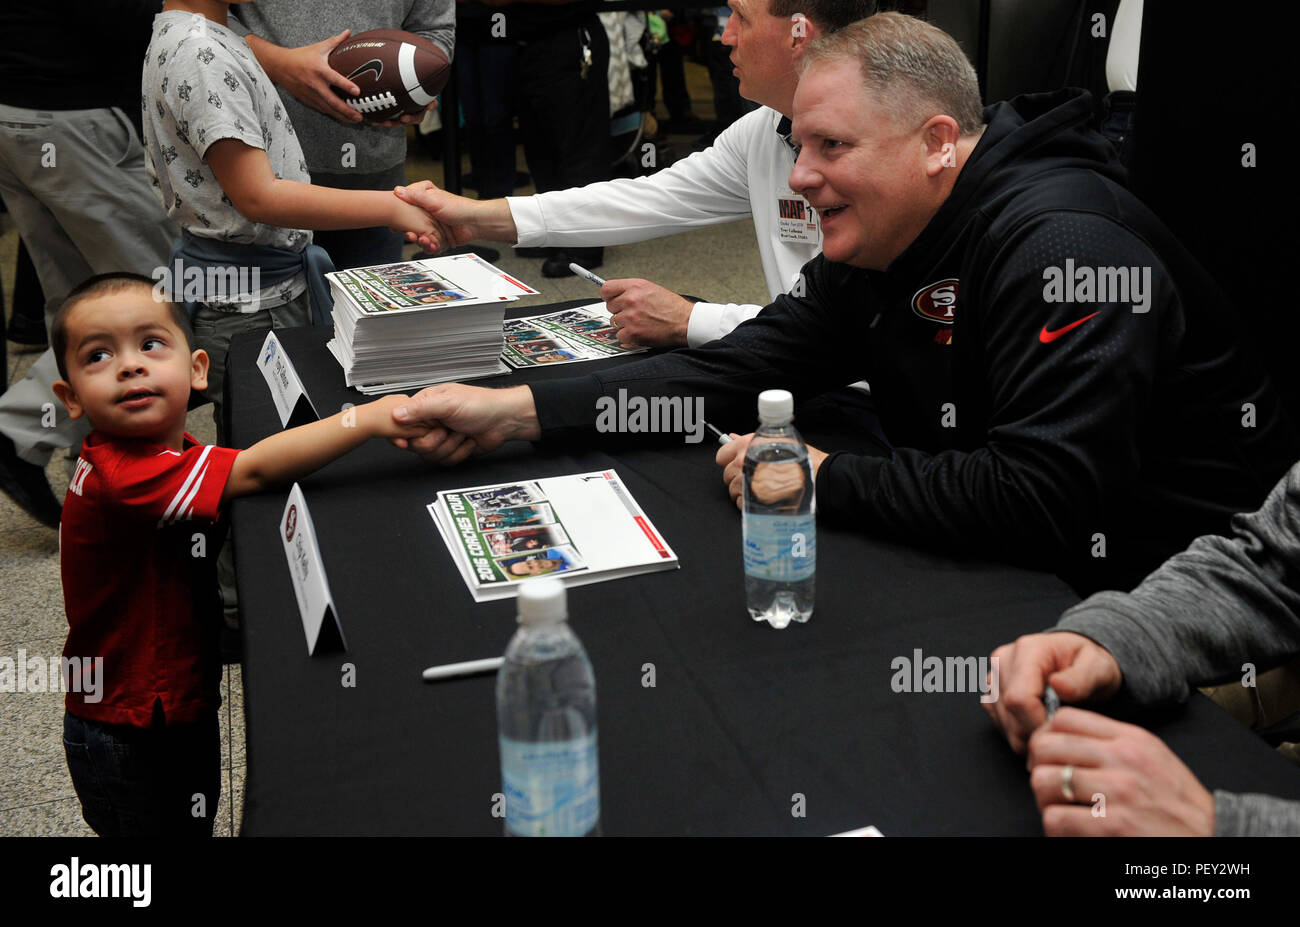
{"x": 780, "y": 547}
{"x": 552, "y": 787}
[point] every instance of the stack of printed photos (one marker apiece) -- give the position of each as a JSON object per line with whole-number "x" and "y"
{"x": 583, "y": 528}
{"x": 408, "y": 325}
{"x": 565, "y": 337}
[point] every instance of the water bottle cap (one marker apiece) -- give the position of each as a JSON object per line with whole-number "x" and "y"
{"x": 775, "y": 404}
{"x": 542, "y": 600}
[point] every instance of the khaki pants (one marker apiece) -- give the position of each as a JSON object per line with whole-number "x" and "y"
{"x": 75, "y": 183}
{"x": 1274, "y": 697}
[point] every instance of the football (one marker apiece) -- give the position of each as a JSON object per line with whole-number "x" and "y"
{"x": 398, "y": 72}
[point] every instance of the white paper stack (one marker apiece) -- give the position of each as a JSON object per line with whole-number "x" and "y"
{"x": 411, "y": 324}
{"x": 582, "y": 528}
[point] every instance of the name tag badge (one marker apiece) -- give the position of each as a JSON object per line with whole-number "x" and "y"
{"x": 307, "y": 569}
{"x": 291, "y": 399}
{"x": 795, "y": 219}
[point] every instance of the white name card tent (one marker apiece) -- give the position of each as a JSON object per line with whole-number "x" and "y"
{"x": 315, "y": 604}
{"x": 291, "y": 399}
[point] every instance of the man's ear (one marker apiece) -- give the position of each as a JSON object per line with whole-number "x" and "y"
{"x": 68, "y": 396}
{"x": 199, "y": 362}
{"x": 940, "y": 135}
{"x": 802, "y": 31}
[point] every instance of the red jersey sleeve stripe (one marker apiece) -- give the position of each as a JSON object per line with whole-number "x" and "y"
{"x": 181, "y": 493}
{"x": 186, "y": 510}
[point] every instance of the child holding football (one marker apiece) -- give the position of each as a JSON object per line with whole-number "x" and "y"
{"x": 231, "y": 173}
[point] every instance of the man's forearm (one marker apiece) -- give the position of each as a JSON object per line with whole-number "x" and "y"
{"x": 522, "y": 407}
{"x": 492, "y": 220}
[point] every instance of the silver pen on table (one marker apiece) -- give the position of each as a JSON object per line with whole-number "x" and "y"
{"x": 468, "y": 668}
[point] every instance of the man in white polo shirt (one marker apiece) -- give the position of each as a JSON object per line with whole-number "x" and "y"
{"x": 745, "y": 173}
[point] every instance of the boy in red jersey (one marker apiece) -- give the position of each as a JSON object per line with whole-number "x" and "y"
{"x": 139, "y": 589}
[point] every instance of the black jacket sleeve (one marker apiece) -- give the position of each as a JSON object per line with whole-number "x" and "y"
{"x": 1060, "y": 418}
{"x": 799, "y": 343}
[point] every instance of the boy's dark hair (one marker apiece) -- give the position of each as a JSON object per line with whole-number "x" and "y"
{"x": 102, "y": 285}
{"x": 831, "y": 15}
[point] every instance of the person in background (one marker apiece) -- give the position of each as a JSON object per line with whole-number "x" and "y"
{"x": 292, "y": 42}
{"x": 72, "y": 175}
{"x": 745, "y": 174}
{"x": 1094, "y": 435}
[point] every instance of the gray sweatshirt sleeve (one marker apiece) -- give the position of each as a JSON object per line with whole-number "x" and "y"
{"x": 1205, "y": 612}
{"x": 434, "y": 20}
{"x": 1222, "y": 603}
{"x": 1251, "y": 815}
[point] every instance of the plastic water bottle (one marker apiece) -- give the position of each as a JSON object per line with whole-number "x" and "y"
{"x": 546, "y": 721}
{"x": 780, "y": 523}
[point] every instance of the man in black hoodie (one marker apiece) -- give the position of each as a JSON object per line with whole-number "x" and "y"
{"x": 1062, "y": 383}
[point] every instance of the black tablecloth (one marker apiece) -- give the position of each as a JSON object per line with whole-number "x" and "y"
{"x": 746, "y": 730}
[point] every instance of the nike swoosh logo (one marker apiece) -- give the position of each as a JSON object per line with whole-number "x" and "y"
{"x": 374, "y": 64}
{"x": 1047, "y": 337}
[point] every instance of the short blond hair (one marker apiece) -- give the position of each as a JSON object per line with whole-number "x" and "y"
{"x": 917, "y": 69}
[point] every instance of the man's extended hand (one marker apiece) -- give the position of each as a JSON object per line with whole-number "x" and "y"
{"x": 460, "y": 218}
{"x": 645, "y": 313}
{"x": 1078, "y": 668}
{"x": 1122, "y": 781}
{"x": 305, "y": 72}
{"x": 464, "y": 420}
{"x": 731, "y": 457}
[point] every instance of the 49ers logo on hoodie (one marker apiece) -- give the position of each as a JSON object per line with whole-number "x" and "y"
{"x": 938, "y": 303}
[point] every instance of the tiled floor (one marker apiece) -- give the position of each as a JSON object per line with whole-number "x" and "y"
{"x": 36, "y": 795}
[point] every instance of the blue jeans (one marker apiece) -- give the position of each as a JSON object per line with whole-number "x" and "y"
{"x": 145, "y": 782}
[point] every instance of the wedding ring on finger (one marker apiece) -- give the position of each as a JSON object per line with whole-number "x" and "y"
{"x": 1067, "y": 782}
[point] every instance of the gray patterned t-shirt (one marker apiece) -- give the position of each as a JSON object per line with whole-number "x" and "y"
{"x": 202, "y": 84}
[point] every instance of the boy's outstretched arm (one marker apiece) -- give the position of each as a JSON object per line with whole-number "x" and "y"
{"x": 289, "y": 455}
{"x": 245, "y": 175}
